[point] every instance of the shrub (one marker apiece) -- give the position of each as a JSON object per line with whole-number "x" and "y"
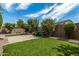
{"x": 68, "y": 50}
{"x": 37, "y": 33}
{"x": 20, "y": 23}
{"x": 9, "y": 26}
{"x": 69, "y": 29}
{"x": 48, "y": 26}
{"x": 26, "y": 27}
{"x": 33, "y": 24}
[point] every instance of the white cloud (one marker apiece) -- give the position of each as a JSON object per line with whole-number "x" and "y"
{"x": 44, "y": 16}
{"x": 7, "y": 6}
{"x": 23, "y": 6}
{"x": 44, "y": 11}
{"x": 76, "y": 16}
{"x": 61, "y": 10}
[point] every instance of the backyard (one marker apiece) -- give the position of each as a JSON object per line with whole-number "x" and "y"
{"x": 38, "y": 36}
{"x": 42, "y": 47}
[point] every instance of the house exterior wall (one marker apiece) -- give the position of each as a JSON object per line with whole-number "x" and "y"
{"x": 59, "y": 32}
{"x": 18, "y": 30}
{"x": 76, "y": 32}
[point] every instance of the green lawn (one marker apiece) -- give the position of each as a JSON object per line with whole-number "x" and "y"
{"x": 41, "y": 47}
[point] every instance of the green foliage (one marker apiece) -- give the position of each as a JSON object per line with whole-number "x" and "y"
{"x": 37, "y": 33}
{"x": 20, "y": 23}
{"x": 33, "y": 24}
{"x": 68, "y": 50}
{"x": 13, "y": 25}
{"x": 69, "y": 29}
{"x": 26, "y": 27}
{"x": 1, "y": 20}
{"x": 48, "y": 26}
{"x": 9, "y": 26}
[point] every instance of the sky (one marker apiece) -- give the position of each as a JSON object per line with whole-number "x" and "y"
{"x": 12, "y": 12}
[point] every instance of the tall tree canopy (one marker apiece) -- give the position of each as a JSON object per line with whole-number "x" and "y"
{"x": 1, "y": 20}
{"x": 20, "y": 23}
{"x": 48, "y": 26}
{"x": 33, "y": 24}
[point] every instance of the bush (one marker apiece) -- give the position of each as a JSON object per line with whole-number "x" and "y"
{"x": 37, "y": 33}
{"x": 69, "y": 29}
{"x": 9, "y": 26}
{"x": 48, "y": 26}
{"x": 33, "y": 24}
{"x": 68, "y": 50}
{"x": 20, "y": 23}
{"x": 26, "y": 27}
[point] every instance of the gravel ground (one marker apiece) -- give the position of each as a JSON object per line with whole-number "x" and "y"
{"x": 14, "y": 39}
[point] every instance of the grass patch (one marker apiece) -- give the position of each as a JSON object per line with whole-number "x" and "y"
{"x": 41, "y": 47}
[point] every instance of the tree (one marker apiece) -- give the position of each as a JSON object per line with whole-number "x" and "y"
{"x": 13, "y": 25}
{"x": 33, "y": 24}
{"x": 1, "y": 20}
{"x": 9, "y": 26}
{"x": 48, "y": 26}
{"x": 26, "y": 27}
{"x": 69, "y": 29}
{"x": 20, "y": 23}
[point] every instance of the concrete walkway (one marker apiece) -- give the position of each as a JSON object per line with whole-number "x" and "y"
{"x": 69, "y": 40}
{"x": 14, "y": 39}
{"x": 75, "y": 41}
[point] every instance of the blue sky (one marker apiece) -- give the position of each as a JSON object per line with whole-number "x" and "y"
{"x": 61, "y": 11}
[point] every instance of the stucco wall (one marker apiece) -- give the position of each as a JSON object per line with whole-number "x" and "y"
{"x": 59, "y": 32}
